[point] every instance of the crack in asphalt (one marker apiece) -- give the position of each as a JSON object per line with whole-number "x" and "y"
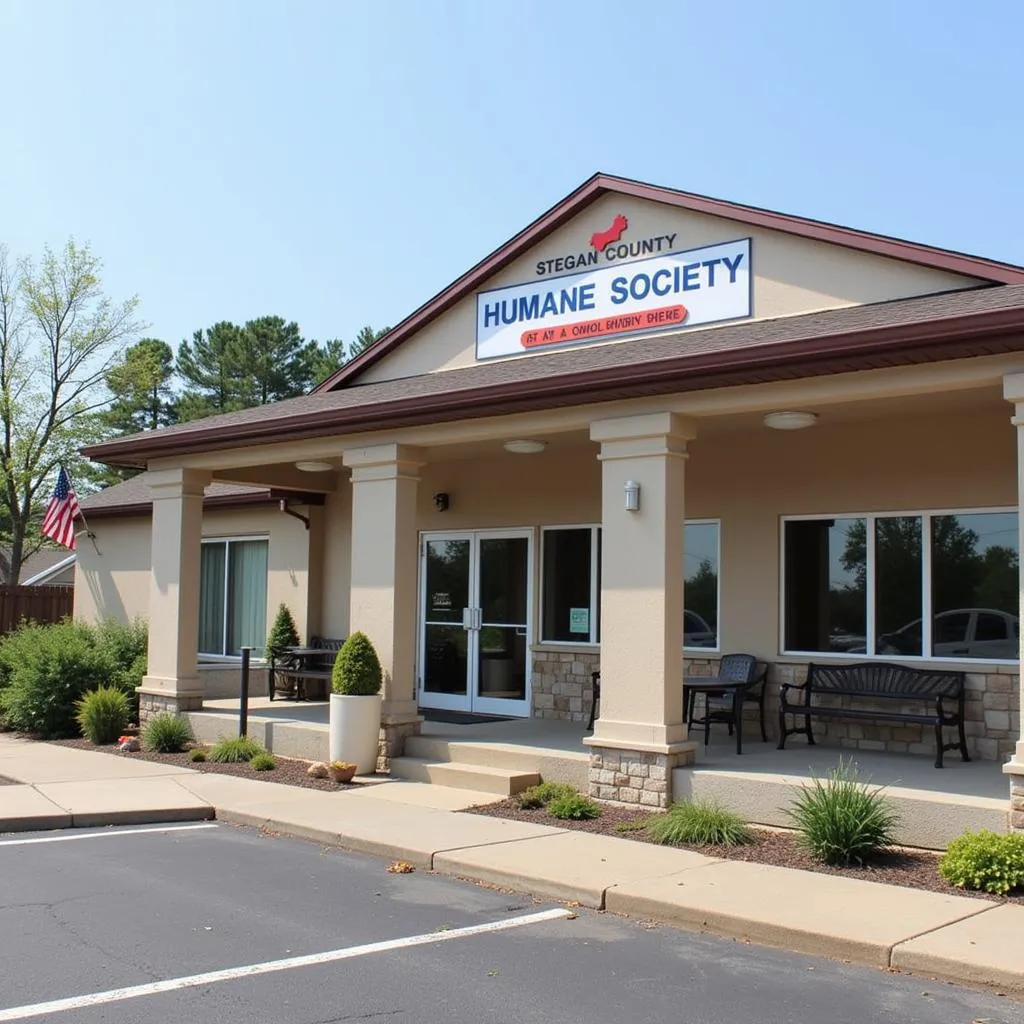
{"x": 358, "y": 1016}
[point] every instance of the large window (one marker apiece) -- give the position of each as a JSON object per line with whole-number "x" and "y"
{"x": 921, "y": 585}
{"x": 233, "y": 596}
{"x": 571, "y": 585}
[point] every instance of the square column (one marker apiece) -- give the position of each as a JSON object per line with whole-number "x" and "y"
{"x": 172, "y": 679}
{"x": 384, "y": 579}
{"x": 641, "y": 736}
{"x": 1013, "y": 391}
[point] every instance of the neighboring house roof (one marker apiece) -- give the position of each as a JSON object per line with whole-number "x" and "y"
{"x": 132, "y": 497}
{"x": 38, "y": 572}
{"x": 972, "y": 322}
{"x": 599, "y": 185}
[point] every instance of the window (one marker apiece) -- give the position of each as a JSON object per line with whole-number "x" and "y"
{"x": 571, "y": 585}
{"x": 939, "y": 585}
{"x": 232, "y": 596}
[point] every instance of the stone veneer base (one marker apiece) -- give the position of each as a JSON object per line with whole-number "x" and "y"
{"x": 633, "y": 777}
{"x": 151, "y": 704}
{"x": 392, "y": 741}
{"x": 1017, "y": 802}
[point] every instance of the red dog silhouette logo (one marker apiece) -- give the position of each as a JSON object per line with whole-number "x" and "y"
{"x": 602, "y": 238}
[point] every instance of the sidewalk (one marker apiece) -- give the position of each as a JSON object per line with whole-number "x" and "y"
{"x": 955, "y": 938}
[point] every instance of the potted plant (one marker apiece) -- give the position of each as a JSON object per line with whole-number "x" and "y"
{"x": 355, "y": 704}
{"x": 282, "y": 635}
{"x": 341, "y": 771}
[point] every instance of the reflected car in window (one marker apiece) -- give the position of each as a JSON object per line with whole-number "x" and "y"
{"x": 960, "y": 633}
{"x": 697, "y": 632}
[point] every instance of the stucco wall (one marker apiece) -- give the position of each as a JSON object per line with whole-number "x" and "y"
{"x": 792, "y": 276}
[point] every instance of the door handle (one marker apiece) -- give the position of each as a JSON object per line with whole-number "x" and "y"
{"x": 467, "y": 618}
{"x": 478, "y": 618}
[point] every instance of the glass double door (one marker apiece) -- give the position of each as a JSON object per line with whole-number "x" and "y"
{"x": 474, "y": 652}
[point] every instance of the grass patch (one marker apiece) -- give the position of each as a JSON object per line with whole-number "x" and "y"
{"x": 197, "y": 755}
{"x": 103, "y": 714}
{"x": 234, "y": 750}
{"x": 263, "y": 762}
{"x": 166, "y": 733}
{"x": 541, "y": 795}
{"x": 632, "y": 826}
{"x": 700, "y": 824}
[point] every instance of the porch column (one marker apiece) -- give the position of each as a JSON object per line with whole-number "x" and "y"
{"x": 172, "y": 679}
{"x": 383, "y": 587}
{"x": 641, "y": 736}
{"x": 1013, "y": 391}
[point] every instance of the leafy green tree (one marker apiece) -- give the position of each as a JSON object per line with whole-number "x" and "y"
{"x": 143, "y": 398}
{"x": 330, "y": 356}
{"x": 59, "y": 337}
{"x": 209, "y": 366}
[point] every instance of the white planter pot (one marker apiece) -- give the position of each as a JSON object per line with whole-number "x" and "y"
{"x": 355, "y": 730}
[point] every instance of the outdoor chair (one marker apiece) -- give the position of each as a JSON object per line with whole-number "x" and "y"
{"x": 718, "y": 706}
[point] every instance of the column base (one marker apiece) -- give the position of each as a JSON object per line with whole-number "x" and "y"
{"x": 161, "y": 702}
{"x": 1015, "y": 770}
{"x": 394, "y": 731}
{"x": 636, "y": 778}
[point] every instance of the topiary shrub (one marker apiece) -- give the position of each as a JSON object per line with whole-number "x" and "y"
{"x": 166, "y": 733}
{"x": 103, "y": 714}
{"x": 841, "y": 820}
{"x": 235, "y": 750}
{"x": 542, "y": 794}
{"x": 263, "y": 762}
{"x": 573, "y": 807}
{"x": 701, "y": 823}
{"x": 282, "y": 635}
{"x": 985, "y": 860}
{"x": 357, "y": 671}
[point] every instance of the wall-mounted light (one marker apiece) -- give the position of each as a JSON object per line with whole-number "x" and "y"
{"x": 790, "y": 420}
{"x": 442, "y": 501}
{"x": 632, "y": 491}
{"x": 314, "y": 466}
{"x": 525, "y": 447}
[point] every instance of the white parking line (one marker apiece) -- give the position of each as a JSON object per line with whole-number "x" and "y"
{"x": 251, "y": 970}
{"x": 106, "y": 835}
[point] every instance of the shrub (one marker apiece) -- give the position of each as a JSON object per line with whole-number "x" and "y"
{"x": 542, "y": 794}
{"x": 985, "y": 860}
{"x": 842, "y": 820}
{"x": 263, "y": 762}
{"x": 197, "y": 755}
{"x": 166, "y": 733}
{"x": 282, "y": 635}
{"x": 103, "y": 714}
{"x": 123, "y": 648}
{"x": 235, "y": 750}
{"x": 573, "y": 807}
{"x": 357, "y": 670}
{"x": 701, "y": 823}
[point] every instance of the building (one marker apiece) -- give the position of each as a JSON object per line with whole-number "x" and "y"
{"x": 817, "y": 429}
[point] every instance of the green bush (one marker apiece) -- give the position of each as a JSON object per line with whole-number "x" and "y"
{"x": 166, "y": 733}
{"x": 196, "y": 755}
{"x": 357, "y": 671}
{"x": 234, "y": 750}
{"x": 573, "y": 807}
{"x": 985, "y": 860}
{"x": 123, "y": 646}
{"x": 701, "y": 823}
{"x": 282, "y": 635}
{"x": 262, "y": 762}
{"x": 841, "y": 820}
{"x": 103, "y": 714}
{"x": 541, "y": 795}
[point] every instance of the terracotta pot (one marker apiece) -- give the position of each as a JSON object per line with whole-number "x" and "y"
{"x": 342, "y": 774}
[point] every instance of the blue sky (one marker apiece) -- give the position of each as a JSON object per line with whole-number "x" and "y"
{"x": 338, "y": 163}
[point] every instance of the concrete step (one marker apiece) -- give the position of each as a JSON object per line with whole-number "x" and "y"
{"x": 459, "y": 775}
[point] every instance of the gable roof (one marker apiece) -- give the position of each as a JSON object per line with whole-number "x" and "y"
{"x": 36, "y": 572}
{"x": 132, "y": 497}
{"x": 959, "y": 324}
{"x": 991, "y": 271}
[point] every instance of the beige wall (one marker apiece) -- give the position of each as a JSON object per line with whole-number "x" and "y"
{"x": 792, "y": 276}
{"x": 112, "y": 576}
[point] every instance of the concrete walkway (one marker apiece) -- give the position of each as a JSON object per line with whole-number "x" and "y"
{"x": 955, "y": 938}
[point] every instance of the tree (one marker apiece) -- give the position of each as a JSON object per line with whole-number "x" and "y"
{"x": 59, "y": 335}
{"x": 282, "y": 635}
{"x": 330, "y": 356}
{"x": 141, "y": 385}
{"x": 277, "y": 362}
{"x": 209, "y": 366}
{"x": 366, "y": 337}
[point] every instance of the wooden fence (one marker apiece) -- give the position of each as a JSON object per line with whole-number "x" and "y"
{"x": 43, "y": 604}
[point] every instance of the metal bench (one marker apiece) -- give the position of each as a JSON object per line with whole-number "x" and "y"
{"x": 306, "y": 677}
{"x": 882, "y": 683}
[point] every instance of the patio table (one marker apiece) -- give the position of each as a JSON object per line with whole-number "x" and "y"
{"x": 299, "y": 669}
{"x": 714, "y": 686}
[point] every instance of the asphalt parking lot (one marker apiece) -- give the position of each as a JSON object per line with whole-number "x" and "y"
{"x": 212, "y": 923}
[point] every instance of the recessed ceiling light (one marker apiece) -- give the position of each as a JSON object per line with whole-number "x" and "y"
{"x": 790, "y": 420}
{"x": 525, "y": 447}
{"x": 314, "y": 466}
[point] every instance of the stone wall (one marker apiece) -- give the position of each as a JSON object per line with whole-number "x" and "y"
{"x": 992, "y": 715}
{"x": 562, "y": 684}
{"x": 634, "y": 777}
{"x": 151, "y": 704}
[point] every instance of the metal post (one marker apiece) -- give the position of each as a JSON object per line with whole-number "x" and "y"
{"x": 243, "y": 703}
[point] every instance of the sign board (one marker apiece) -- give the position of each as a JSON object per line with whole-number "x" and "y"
{"x": 662, "y": 293}
{"x": 579, "y": 620}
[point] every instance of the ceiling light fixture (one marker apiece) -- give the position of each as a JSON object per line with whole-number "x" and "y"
{"x": 790, "y": 420}
{"x": 314, "y": 466}
{"x": 525, "y": 447}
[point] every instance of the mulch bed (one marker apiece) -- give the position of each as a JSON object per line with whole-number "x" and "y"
{"x": 289, "y": 771}
{"x": 915, "y": 869}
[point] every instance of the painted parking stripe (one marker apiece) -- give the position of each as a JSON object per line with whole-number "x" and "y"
{"x": 271, "y": 966}
{"x": 106, "y": 835}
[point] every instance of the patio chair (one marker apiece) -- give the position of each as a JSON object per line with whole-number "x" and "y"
{"x": 718, "y": 705}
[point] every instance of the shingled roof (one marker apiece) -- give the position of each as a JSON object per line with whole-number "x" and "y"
{"x": 133, "y": 496}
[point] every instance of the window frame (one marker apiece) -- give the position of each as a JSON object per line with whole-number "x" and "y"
{"x": 595, "y": 593}
{"x": 927, "y": 617}
{"x": 210, "y": 656}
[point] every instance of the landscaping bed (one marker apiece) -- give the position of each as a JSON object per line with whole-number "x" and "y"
{"x": 289, "y": 772}
{"x": 915, "y": 869}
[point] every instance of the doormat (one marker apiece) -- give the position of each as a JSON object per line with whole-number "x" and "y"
{"x": 460, "y": 717}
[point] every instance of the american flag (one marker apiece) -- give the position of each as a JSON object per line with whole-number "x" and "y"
{"x": 59, "y": 521}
